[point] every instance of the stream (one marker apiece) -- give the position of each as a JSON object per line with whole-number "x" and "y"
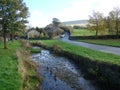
{"x": 60, "y": 73}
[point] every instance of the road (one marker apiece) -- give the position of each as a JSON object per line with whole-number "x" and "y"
{"x": 102, "y": 48}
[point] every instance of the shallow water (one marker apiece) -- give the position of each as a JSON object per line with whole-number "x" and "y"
{"x": 59, "y": 73}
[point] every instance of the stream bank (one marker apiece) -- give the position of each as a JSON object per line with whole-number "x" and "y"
{"x": 105, "y": 75}
{"x": 60, "y": 73}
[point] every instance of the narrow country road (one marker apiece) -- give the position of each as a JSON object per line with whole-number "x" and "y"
{"x": 102, "y": 48}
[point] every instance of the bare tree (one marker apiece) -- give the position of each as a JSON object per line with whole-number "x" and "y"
{"x": 108, "y": 24}
{"x": 115, "y": 20}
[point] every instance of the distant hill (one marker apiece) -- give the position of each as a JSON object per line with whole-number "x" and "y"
{"x": 75, "y": 22}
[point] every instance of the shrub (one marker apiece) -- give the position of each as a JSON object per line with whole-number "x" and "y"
{"x": 25, "y": 44}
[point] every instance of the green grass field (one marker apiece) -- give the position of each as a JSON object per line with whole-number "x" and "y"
{"x": 109, "y": 42}
{"x": 86, "y": 32}
{"x": 82, "y": 32}
{"x": 9, "y": 77}
{"x": 91, "y": 54}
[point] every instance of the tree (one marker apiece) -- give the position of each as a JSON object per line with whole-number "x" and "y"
{"x": 39, "y": 29}
{"x": 13, "y": 14}
{"x": 114, "y": 17}
{"x": 96, "y": 22}
{"x": 108, "y": 24}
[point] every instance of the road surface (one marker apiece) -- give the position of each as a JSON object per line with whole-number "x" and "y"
{"x": 102, "y": 48}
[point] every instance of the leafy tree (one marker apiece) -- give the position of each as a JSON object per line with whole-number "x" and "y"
{"x": 39, "y": 29}
{"x": 13, "y": 14}
{"x": 96, "y": 22}
{"x": 114, "y": 17}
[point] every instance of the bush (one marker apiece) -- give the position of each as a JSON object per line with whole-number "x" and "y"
{"x": 79, "y": 27}
{"x": 25, "y": 44}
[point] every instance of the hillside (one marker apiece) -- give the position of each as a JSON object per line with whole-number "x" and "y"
{"x": 75, "y": 22}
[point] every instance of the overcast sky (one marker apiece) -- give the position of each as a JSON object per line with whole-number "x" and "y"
{"x": 42, "y": 11}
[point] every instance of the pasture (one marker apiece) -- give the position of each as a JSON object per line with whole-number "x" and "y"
{"x": 82, "y": 32}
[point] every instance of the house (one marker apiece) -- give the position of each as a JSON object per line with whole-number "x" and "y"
{"x": 33, "y": 34}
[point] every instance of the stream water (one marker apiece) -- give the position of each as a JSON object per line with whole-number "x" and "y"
{"x": 59, "y": 73}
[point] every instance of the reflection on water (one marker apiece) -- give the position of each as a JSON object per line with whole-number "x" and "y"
{"x": 59, "y": 73}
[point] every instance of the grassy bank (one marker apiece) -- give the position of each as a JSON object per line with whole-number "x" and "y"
{"x": 27, "y": 68}
{"x": 109, "y": 42}
{"x": 100, "y": 67}
{"x": 16, "y": 71}
{"x": 81, "y": 51}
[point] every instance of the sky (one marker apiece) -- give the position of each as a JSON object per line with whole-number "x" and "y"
{"x": 42, "y": 11}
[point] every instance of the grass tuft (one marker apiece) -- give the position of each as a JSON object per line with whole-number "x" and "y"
{"x": 27, "y": 69}
{"x": 25, "y": 44}
{"x": 57, "y": 48}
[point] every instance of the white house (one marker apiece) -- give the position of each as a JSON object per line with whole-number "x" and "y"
{"x": 33, "y": 34}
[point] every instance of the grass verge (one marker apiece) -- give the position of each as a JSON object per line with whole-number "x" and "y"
{"x": 108, "y": 42}
{"x": 85, "y": 52}
{"x": 27, "y": 68}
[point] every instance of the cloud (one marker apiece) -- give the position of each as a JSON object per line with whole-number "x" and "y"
{"x": 76, "y": 10}
{"x": 37, "y": 18}
{"x": 105, "y": 6}
{"x": 82, "y": 8}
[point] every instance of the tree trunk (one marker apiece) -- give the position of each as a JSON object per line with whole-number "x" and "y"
{"x": 4, "y": 36}
{"x": 97, "y": 29}
{"x": 11, "y": 37}
{"x": 117, "y": 28}
{"x": 96, "y": 36}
